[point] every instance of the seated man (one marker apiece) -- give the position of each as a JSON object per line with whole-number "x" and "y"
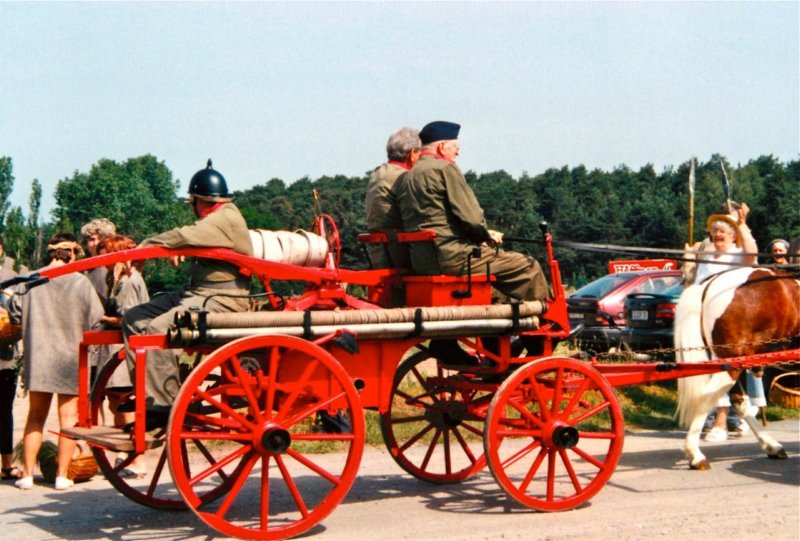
{"x": 435, "y": 195}
{"x": 219, "y": 225}
{"x": 383, "y": 213}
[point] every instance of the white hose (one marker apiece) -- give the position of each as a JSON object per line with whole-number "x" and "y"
{"x": 301, "y": 248}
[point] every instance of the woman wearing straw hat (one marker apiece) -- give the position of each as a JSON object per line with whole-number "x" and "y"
{"x": 733, "y": 245}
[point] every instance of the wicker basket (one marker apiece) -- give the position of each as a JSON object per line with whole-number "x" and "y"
{"x": 82, "y": 468}
{"x": 786, "y": 393}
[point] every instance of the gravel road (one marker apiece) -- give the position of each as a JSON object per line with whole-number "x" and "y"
{"x": 652, "y": 495}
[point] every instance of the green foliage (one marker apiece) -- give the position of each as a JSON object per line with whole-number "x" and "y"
{"x": 139, "y": 196}
{"x": 6, "y": 186}
{"x": 621, "y": 206}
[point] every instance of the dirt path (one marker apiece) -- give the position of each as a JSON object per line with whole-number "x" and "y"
{"x": 652, "y": 495}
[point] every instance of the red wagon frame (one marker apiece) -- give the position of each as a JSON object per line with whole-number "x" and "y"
{"x": 549, "y": 428}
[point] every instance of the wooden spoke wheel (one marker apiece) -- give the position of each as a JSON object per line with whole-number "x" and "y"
{"x": 434, "y": 425}
{"x": 153, "y": 486}
{"x": 332, "y": 237}
{"x": 255, "y": 427}
{"x": 554, "y": 434}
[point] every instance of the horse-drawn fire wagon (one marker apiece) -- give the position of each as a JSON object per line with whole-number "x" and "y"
{"x": 244, "y": 450}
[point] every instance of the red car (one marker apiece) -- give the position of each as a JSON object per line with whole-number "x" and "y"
{"x": 597, "y": 310}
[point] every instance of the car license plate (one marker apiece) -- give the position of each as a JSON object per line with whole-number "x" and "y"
{"x": 639, "y": 315}
{"x": 574, "y": 315}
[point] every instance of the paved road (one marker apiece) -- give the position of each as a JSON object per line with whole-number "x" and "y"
{"x": 652, "y": 495}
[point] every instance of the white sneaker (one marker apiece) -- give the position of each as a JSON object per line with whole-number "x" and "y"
{"x": 716, "y": 434}
{"x": 744, "y": 427}
{"x": 25, "y": 483}
{"x": 63, "y": 483}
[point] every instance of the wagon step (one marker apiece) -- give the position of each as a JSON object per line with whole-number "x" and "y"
{"x": 112, "y": 439}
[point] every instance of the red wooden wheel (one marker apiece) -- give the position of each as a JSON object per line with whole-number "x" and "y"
{"x": 155, "y": 488}
{"x": 433, "y": 427}
{"x": 256, "y": 425}
{"x": 554, "y": 434}
{"x": 331, "y": 231}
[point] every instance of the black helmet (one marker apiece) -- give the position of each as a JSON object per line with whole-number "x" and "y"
{"x": 209, "y": 182}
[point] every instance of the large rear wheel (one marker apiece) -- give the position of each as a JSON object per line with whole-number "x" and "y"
{"x": 434, "y": 425}
{"x": 145, "y": 477}
{"x": 256, "y": 428}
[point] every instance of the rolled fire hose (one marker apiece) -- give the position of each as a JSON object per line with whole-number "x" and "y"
{"x": 301, "y": 248}
{"x": 437, "y": 321}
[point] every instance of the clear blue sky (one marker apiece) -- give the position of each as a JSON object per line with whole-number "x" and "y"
{"x": 293, "y": 89}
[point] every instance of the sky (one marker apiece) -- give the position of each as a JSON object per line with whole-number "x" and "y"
{"x": 293, "y": 89}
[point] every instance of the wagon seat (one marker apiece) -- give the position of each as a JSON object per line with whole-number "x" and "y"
{"x": 403, "y": 288}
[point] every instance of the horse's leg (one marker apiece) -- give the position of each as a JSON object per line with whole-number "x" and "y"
{"x": 767, "y": 442}
{"x": 717, "y": 385}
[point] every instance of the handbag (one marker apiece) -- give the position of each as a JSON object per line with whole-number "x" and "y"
{"x": 10, "y": 333}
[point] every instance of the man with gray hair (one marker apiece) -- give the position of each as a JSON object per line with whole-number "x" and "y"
{"x": 94, "y": 233}
{"x": 383, "y": 212}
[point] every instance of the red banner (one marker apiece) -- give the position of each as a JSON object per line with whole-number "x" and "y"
{"x": 641, "y": 265}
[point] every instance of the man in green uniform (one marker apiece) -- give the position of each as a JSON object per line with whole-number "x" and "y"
{"x": 383, "y": 213}
{"x": 219, "y": 225}
{"x": 435, "y": 195}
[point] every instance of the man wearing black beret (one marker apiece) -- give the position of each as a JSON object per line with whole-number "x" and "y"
{"x": 435, "y": 195}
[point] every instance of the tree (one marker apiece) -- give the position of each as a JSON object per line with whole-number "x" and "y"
{"x": 35, "y": 231}
{"x": 139, "y": 196}
{"x": 6, "y": 186}
{"x": 14, "y": 233}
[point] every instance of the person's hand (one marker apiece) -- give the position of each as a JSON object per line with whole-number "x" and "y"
{"x": 496, "y": 236}
{"x": 176, "y": 260}
{"x": 743, "y": 211}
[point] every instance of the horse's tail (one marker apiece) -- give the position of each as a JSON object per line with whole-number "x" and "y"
{"x": 690, "y": 348}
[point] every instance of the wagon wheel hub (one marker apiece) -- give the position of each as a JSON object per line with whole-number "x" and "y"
{"x": 273, "y": 440}
{"x": 446, "y": 414}
{"x": 565, "y": 436}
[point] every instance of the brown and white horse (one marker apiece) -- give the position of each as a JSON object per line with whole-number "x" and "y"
{"x": 733, "y": 313}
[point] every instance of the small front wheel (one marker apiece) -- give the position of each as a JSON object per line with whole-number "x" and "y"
{"x": 554, "y": 434}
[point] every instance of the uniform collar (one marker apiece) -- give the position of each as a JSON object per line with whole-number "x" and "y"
{"x": 435, "y": 155}
{"x": 213, "y": 209}
{"x": 399, "y": 164}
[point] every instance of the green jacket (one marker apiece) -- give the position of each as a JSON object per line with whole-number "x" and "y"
{"x": 435, "y": 195}
{"x": 223, "y": 228}
{"x": 382, "y": 210}
{"x": 383, "y": 215}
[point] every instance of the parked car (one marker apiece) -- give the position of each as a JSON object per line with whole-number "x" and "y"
{"x": 597, "y": 313}
{"x": 649, "y": 318}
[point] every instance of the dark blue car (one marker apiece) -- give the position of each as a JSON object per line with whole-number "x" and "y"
{"x": 649, "y": 318}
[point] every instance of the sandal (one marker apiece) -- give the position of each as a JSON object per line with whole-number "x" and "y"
{"x": 7, "y": 474}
